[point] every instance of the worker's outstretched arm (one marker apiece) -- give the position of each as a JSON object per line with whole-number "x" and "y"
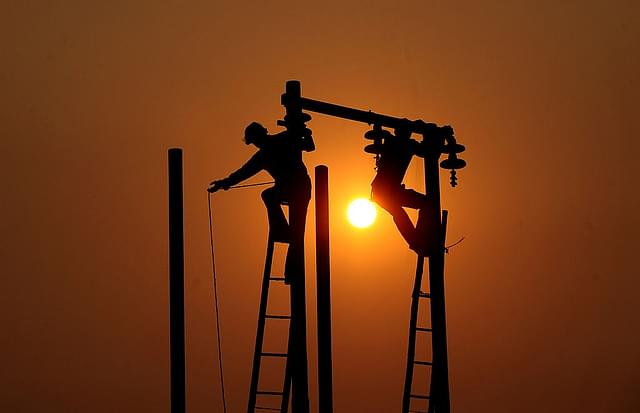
{"x": 254, "y": 165}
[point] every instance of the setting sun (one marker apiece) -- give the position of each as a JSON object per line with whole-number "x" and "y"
{"x": 361, "y": 213}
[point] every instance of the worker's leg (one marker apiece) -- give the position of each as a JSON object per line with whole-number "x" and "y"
{"x": 426, "y": 236}
{"x": 412, "y": 199}
{"x": 389, "y": 200}
{"x": 278, "y": 226}
{"x": 298, "y": 205}
{"x": 392, "y": 200}
{"x": 404, "y": 224}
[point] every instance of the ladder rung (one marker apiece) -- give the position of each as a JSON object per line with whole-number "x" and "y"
{"x": 419, "y": 396}
{"x": 273, "y": 354}
{"x": 422, "y": 294}
{"x": 276, "y": 278}
{"x": 281, "y": 241}
{"x": 428, "y": 330}
{"x": 423, "y": 363}
{"x": 270, "y": 393}
{"x": 278, "y": 317}
{"x": 267, "y": 408}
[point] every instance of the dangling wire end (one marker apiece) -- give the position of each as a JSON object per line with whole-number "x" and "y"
{"x": 446, "y": 249}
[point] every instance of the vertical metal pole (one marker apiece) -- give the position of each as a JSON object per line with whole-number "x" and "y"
{"x": 291, "y": 97}
{"x": 323, "y": 278}
{"x": 176, "y": 282}
{"x": 440, "y": 402}
{"x": 299, "y": 370}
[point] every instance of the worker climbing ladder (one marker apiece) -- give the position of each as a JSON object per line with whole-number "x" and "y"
{"x": 421, "y": 333}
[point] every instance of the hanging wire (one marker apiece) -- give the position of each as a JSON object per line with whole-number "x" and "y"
{"x": 215, "y": 296}
{"x": 446, "y": 249}
{"x": 215, "y": 288}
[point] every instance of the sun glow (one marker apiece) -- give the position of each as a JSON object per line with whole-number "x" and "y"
{"x": 361, "y": 213}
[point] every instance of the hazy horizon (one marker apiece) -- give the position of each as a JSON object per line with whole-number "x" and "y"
{"x": 542, "y": 295}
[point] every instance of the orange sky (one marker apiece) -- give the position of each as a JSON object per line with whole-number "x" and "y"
{"x": 542, "y": 296}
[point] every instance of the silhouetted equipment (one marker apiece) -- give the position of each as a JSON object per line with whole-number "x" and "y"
{"x": 374, "y": 149}
{"x": 453, "y": 163}
{"x": 323, "y": 291}
{"x": 377, "y": 135}
{"x": 176, "y": 282}
{"x": 295, "y": 119}
{"x": 453, "y": 148}
{"x": 258, "y": 354}
{"x": 436, "y": 141}
{"x": 292, "y": 99}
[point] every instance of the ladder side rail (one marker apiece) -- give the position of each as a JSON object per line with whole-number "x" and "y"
{"x": 255, "y": 371}
{"x": 286, "y": 387}
{"x": 415, "y": 302}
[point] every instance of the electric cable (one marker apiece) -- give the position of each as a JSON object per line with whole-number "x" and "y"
{"x": 215, "y": 288}
{"x": 248, "y": 185}
{"x": 446, "y": 249}
{"x": 215, "y": 296}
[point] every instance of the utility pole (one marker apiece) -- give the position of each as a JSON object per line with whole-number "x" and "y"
{"x": 299, "y": 365}
{"x": 435, "y": 143}
{"x": 323, "y": 279}
{"x": 439, "y": 402}
{"x": 176, "y": 282}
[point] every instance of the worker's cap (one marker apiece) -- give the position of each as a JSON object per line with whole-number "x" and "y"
{"x": 253, "y": 131}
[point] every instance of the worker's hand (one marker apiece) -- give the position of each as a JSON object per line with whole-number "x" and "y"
{"x": 214, "y": 186}
{"x": 217, "y": 185}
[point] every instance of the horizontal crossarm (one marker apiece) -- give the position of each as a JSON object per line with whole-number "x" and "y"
{"x": 293, "y": 98}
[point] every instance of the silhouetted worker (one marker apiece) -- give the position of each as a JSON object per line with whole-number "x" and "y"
{"x": 281, "y": 156}
{"x": 390, "y": 193}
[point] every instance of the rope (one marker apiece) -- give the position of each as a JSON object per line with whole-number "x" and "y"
{"x": 248, "y": 185}
{"x": 215, "y": 288}
{"x": 215, "y": 296}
